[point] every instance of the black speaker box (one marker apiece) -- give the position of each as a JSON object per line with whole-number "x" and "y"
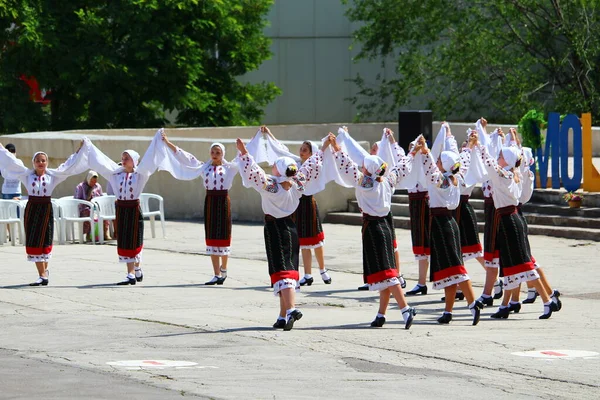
{"x": 412, "y": 123}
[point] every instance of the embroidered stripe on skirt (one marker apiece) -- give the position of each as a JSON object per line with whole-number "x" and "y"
{"x": 308, "y": 223}
{"x": 378, "y": 250}
{"x": 217, "y": 222}
{"x": 418, "y": 206}
{"x": 446, "y": 262}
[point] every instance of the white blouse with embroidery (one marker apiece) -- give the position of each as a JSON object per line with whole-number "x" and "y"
{"x": 506, "y": 192}
{"x": 374, "y": 197}
{"x": 214, "y": 177}
{"x": 442, "y": 192}
{"x": 42, "y": 185}
{"x": 275, "y": 200}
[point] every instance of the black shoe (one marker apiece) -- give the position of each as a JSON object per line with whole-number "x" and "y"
{"x": 501, "y": 313}
{"x": 293, "y": 317}
{"x": 417, "y": 290}
{"x": 402, "y": 281}
{"x": 499, "y": 294}
{"x": 378, "y": 322}
{"x": 514, "y": 307}
{"x": 548, "y": 310}
{"x": 364, "y": 287}
{"x": 445, "y": 318}
{"x": 477, "y": 315}
{"x": 457, "y": 296}
{"x": 556, "y": 295}
{"x": 127, "y": 281}
{"x": 530, "y": 300}
{"x": 139, "y": 278}
{"x": 216, "y": 280}
{"x": 279, "y": 324}
{"x": 40, "y": 282}
{"x": 411, "y": 315}
{"x": 486, "y": 301}
{"x": 306, "y": 281}
{"x": 326, "y": 278}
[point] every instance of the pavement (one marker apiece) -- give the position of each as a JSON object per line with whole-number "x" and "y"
{"x": 171, "y": 337}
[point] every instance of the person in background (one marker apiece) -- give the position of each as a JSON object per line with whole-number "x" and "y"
{"x": 11, "y": 188}
{"x": 87, "y": 190}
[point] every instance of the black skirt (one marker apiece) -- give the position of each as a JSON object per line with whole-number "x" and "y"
{"x": 217, "y": 218}
{"x": 446, "y": 261}
{"x": 281, "y": 244}
{"x": 39, "y": 227}
{"x": 130, "y": 225}
{"x": 378, "y": 250}
{"x": 418, "y": 205}
{"x": 490, "y": 231}
{"x": 467, "y": 222}
{"x": 512, "y": 243}
{"x": 308, "y": 223}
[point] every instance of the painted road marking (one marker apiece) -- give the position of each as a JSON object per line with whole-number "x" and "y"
{"x": 157, "y": 364}
{"x": 557, "y": 354}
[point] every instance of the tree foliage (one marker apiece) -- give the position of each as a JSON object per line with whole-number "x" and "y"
{"x": 467, "y": 57}
{"x": 118, "y": 64}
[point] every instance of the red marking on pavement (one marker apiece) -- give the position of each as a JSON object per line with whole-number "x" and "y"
{"x": 157, "y": 363}
{"x": 554, "y": 353}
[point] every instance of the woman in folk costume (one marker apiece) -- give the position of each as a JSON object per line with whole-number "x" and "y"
{"x": 280, "y": 195}
{"x": 128, "y": 182}
{"x": 444, "y": 177}
{"x": 40, "y": 183}
{"x": 512, "y": 139}
{"x": 492, "y": 288}
{"x": 390, "y": 151}
{"x": 516, "y": 265}
{"x": 217, "y": 176}
{"x": 306, "y": 217}
{"x": 374, "y": 189}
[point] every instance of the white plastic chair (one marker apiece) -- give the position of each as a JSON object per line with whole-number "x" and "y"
{"x": 69, "y": 215}
{"x": 57, "y": 223}
{"x": 9, "y": 217}
{"x": 66, "y": 197}
{"x": 147, "y": 213}
{"x": 105, "y": 205}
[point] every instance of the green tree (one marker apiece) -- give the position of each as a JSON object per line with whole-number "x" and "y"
{"x": 119, "y": 64}
{"x": 466, "y": 57}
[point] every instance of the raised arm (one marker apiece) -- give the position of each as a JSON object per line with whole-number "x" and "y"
{"x": 100, "y": 162}
{"x": 179, "y": 163}
{"x": 10, "y": 165}
{"x": 151, "y": 158}
{"x": 252, "y": 175}
{"x": 75, "y": 164}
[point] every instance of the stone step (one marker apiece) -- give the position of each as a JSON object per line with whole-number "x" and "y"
{"x": 402, "y": 222}
{"x": 403, "y": 199}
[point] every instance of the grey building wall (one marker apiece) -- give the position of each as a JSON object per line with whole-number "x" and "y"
{"x": 311, "y": 63}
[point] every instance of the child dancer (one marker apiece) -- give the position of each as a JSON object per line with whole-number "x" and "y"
{"x": 515, "y": 259}
{"x": 217, "y": 176}
{"x": 306, "y": 217}
{"x": 374, "y": 194}
{"x": 280, "y": 194}
{"x": 128, "y": 182}
{"x": 444, "y": 177}
{"x": 39, "y": 218}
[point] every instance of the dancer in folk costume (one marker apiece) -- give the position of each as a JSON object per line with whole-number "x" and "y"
{"x": 280, "y": 195}
{"x": 492, "y": 288}
{"x": 444, "y": 177}
{"x": 374, "y": 188}
{"x": 39, "y": 217}
{"x": 527, "y": 160}
{"x": 306, "y": 217}
{"x": 390, "y": 152}
{"x": 128, "y": 182}
{"x": 516, "y": 265}
{"x": 217, "y": 176}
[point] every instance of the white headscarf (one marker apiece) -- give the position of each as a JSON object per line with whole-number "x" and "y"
{"x": 449, "y": 160}
{"x": 36, "y": 154}
{"x": 219, "y": 145}
{"x": 511, "y": 155}
{"x": 90, "y": 175}
{"x": 135, "y": 156}
{"x": 375, "y": 165}
{"x": 283, "y": 163}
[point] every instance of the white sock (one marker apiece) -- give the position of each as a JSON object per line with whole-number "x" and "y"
{"x": 130, "y": 276}
{"x": 380, "y": 315}
{"x": 138, "y": 272}
{"x": 531, "y": 293}
{"x": 405, "y": 314}
{"x": 223, "y": 272}
{"x": 325, "y": 275}
{"x": 288, "y": 312}
{"x": 447, "y": 312}
{"x": 514, "y": 302}
{"x": 279, "y": 317}
{"x": 459, "y": 291}
{"x": 547, "y": 307}
{"x": 485, "y": 296}
{"x": 503, "y": 307}
{"x": 307, "y": 276}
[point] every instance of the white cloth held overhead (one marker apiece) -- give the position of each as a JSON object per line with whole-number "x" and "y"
{"x": 511, "y": 155}
{"x": 351, "y": 147}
